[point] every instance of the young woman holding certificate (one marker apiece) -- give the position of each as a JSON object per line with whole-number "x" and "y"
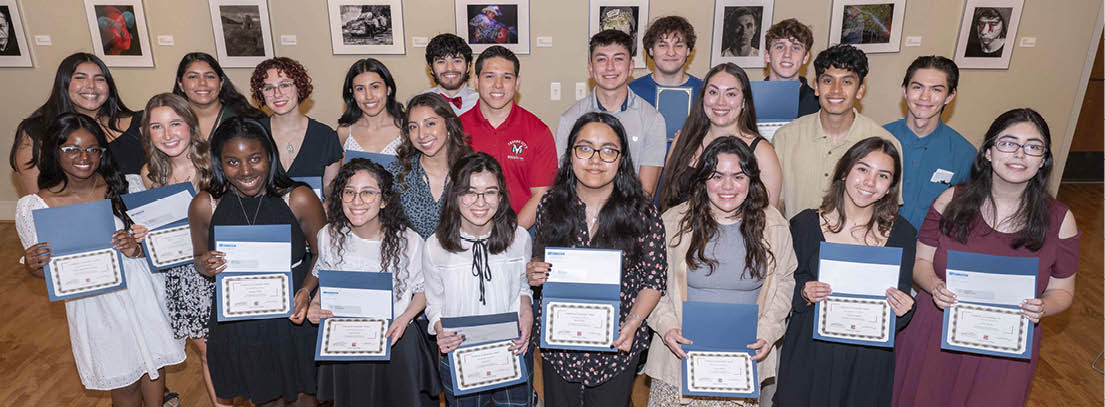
{"x": 1003, "y": 209}
{"x": 860, "y": 208}
{"x": 121, "y": 339}
{"x": 726, "y": 245}
{"x": 475, "y": 265}
{"x": 367, "y": 231}
{"x": 261, "y": 360}
{"x": 597, "y": 202}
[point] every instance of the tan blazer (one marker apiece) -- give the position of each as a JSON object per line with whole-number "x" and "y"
{"x": 774, "y": 300}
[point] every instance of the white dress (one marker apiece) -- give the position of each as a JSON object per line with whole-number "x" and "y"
{"x": 120, "y": 335}
{"x": 392, "y": 148}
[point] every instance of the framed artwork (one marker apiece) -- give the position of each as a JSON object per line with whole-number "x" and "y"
{"x": 739, "y": 29}
{"x": 629, "y": 16}
{"x": 14, "y": 50}
{"x": 483, "y": 24}
{"x": 242, "y": 35}
{"x": 118, "y": 29}
{"x": 987, "y": 33}
{"x": 870, "y": 25}
{"x": 366, "y": 26}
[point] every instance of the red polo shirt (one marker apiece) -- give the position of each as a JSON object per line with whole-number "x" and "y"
{"x": 522, "y": 144}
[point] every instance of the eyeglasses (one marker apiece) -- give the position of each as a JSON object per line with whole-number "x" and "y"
{"x": 74, "y": 151}
{"x": 469, "y": 198}
{"x": 1008, "y": 146}
{"x": 367, "y": 195}
{"x": 285, "y": 88}
{"x": 606, "y": 154}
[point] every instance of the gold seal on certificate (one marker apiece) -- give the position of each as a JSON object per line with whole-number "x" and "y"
{"x": 169, "y": 246}
{"x": 485, "y": 365}
{"x": 865, "y": 319}
{"x": 353, "y": 337}
{"x": 720, "y": 372}
{"x": 988, "y": 328}
{"x": 255, "y": 295}
{"x": 83, "y": 272}
{"x": 580, "y": 324}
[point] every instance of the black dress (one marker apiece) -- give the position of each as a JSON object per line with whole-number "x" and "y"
{"x": 409, "y": 379}
{"x": 261, "y": 360}
{"x": 320, "y": 148}
{"x": 127, "y": 150}
{"x": 820, "y": 373}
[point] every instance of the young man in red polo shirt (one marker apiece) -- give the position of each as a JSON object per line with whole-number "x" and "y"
{"x": 521, "y": 143}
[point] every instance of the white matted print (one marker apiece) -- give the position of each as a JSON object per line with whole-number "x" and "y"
{"x": 739, "y": 29}
{"x": 870, "y": 25}
{"x": 987, "y": 33}
{"x": 366, "y": 26}
{"x": 14, "y": 50}
{"x": 243, "y": 38}
{"x": 628, "y": 16}
{"x": 118, "y": 29}
{"x": 486, "y": 23}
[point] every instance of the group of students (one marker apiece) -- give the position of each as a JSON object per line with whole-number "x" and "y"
{"x": 481, "y": 186}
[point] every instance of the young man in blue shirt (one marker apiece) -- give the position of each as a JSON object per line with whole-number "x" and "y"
{"x": 668, "y": 42}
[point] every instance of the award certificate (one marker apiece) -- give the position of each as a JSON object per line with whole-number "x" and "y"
{"x": 855, "y": 318}
{"x": 256, "y": 256}
{"x": 988, "y": 328}
{"x": 577, "y": 324}
{"x": 83, "y": 272}
{"x": 255, "y": 295}
{"x": 162, "y": 211}
{"x": 355, "y": 302}
{"x": 485, "y": 365}
{"x": 169, "y": 246}
{"x": 354, "y": 337}
{"x": 720, "y": 372}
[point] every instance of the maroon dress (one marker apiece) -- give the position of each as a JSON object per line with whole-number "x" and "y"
{"x": 925, "y": 375}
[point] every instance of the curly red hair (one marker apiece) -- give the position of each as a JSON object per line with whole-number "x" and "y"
{"x": 290, "y": 67}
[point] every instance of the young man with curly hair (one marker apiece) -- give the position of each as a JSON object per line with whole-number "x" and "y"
{"x": 788, "y": 49}
{"x": 450, "y": 59}
{"x": 668, "y": 42}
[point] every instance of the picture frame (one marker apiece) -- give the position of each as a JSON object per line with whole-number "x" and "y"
{"x": 15, "y": 52}
{"x": 118, "y": 32}
{"x": 630, "y": 16}
{"x": 993, "y": 49}
{"x": 873, "y": 26}
{"x": 739, "y": 30}
{"x": 243, "y": 37}
{"x": 480, "y": 29}
{"x": 366, "y": 26}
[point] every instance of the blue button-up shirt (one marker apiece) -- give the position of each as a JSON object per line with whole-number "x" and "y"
{"x": 922, "y": 161}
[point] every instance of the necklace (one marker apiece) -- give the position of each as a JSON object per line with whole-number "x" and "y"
{"x": 290, "y": 148}
{"x": 255, "y": 213}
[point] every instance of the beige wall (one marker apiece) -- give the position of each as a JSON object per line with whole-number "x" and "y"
{"x": 1046, "y": 77}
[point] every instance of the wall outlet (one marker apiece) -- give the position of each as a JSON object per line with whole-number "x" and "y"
{"x": 554, "y": 91}
{"x": 581, "y": 90}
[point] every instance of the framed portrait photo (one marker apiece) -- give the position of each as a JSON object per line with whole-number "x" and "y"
{"x": 243, "y": 37}
{"x": 118, "y": 29}
{"x": 366, "y": 26}
{"x": 14, "y": 50}
{"x": 629, "y": 16}
{"x": 987, "y": 33}
{"x": 870, "y": 25}
{"x": 739, "y": 29}
{"x": 485, "y": 23}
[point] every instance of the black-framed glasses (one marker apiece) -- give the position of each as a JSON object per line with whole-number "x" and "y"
{"x": 469, "y": 198}
{"x": 1009, "y": 146}
{"x": 74, "y": 151}
{"x": 367, "y": 195}
{"x": 606, "y": 154}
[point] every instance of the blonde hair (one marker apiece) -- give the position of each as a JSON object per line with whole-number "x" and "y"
{"x": 160, "y": 165}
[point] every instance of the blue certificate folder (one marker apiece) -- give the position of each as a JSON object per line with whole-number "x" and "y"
{"x": 991, "y": 265}
{"x": 331, "y": 280}
{"x": 674, "y": 103}
{"x": 577, "y": 292}
{"x": 720, "y": 327}
{"x": 138, "y": 199}
{"x": 885, "y": 261}
{"x": 382, "y": 159}
{"x": 775, "y": 101}
{"x": 481, "y": 330}
{"x": 73, "y": 229}
{"x": 253, "y": 233}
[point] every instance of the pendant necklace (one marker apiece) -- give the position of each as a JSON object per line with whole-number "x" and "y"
{"x": 255, "y": 213}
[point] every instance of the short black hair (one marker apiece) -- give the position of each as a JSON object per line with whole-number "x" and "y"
{"x": 665, "y": 26}
{"x": 842, "y": 56}
{"x": 497, "y": 51}
{"x": 609, "y": 37}
{"x": 942, "y": 64}
{"x": 447, "y": 45}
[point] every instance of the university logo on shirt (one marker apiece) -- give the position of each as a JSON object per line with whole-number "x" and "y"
{"x": 517, "y": 148}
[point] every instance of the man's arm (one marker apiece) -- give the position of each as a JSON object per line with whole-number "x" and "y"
{"x": 528, "y": 215}
{"x": 649, "y": 176}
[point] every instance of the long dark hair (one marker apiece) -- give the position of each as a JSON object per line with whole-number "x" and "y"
{"x": 1032, "y": 213}
{"x": 503, "y": 222}
{"x": 37, "y": 125}
{"x": 700, "y": 223}
{"x": 619, "y": 220}
{"x": 456, "y": 143}
{"x": 695, "y": 129}
{"x": 229, "y": 96}
{"x": 277, "y": 182}
{"x": 885, "y": 209}
{"x": 353, "y": 111}
{"x": 392, "y": 218}
{"x": 49, "y": 165}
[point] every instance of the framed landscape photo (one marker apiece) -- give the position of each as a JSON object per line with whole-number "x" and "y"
{"x": 483, "y": 24}
{"x": 118, "y": 29}
{"x": 739, "y": 29}
{"x": 366, "y": 26}
{"x": 870, "y": 25}
{"x": 14, "y": 50}
{"x": 629, "y": 16}
{"x": 243, "y": 37}
{"x": 987, "y": 33}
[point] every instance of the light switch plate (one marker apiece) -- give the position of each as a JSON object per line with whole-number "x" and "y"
{"x": 287, "y": 40}
{"x": 1028, "y": 42}
{"x": 913, "y": 41}
{"x": 581, "y": 90}
{"x": 165, "y": 40}
{"x": 420, "y": 42}
{"x": 544, "y": 42}
{"x": 44, "y": 40}
{"x": 554, "y": 91}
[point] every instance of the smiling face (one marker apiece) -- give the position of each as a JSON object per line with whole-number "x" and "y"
{"x": 727, "y": 187}
{"x": 592, "y": 172}
{"x": 786, "y": 57}
{"x": 1017, "y": 167}
{"x": 88, "y": 89}
{"x": 479, "y": 203}
{"x": 869, "y": 180}
{"x": 371, "y": 93}
{"x": 427, "y": 131}
{"x": 838, "y": 90}
{"x": 357, "y": 209}
{"x": 201, "y": 84}
{"x": 669, "y": 53}
{"x": 79, "y": 164}
{"x": 168, "y": 131}
{"x": 280, "y": 92}
{"x": 246, "y": 165}
{"x": 723, "y": 100}
{"x": 927, "y": 93}
{"x": 497, "y": 83}
{"x": 610, "y": 66}
{"x": 450, "y": 72}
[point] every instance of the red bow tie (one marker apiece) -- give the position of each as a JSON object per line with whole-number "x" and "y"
{"x": 456, "y": 101}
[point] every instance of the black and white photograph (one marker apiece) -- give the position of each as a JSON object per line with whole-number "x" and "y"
{"x": 242, "y": 34}
{"x": 118, "y": 31}
{"x": 739, "y": 27}
{"x": 14, "y": 51}
{"x": 870, "y": 25}
{"x": 629, "y": 16}
{"x": 366, "y": 26}
{"x": 484, "y": 24}
{"x": 987, "y": 34}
